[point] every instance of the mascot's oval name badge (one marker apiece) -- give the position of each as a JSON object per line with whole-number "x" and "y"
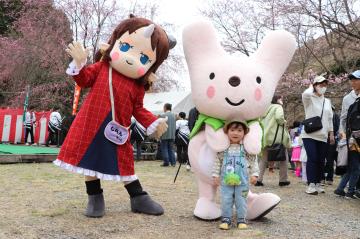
{"x": 116, "y": 133}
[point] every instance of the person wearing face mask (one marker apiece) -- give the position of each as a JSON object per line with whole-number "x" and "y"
{"x": 315, "y": 143}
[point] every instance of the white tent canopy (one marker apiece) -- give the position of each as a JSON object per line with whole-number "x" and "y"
{"x": 180, "y": 101}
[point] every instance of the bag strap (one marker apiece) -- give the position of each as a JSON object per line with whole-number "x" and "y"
{"x": 111, "y": 94}
{"x": 112, "y": 97}
{"x": 322, "y": 111}
{"x": 282, "y": 134}
{"x": 277, "y": 129}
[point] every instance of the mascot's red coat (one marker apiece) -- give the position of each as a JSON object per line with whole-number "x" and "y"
{"x": 85, "y": 146}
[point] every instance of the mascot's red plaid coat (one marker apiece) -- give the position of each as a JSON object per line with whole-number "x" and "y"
{"x": 85, "y": 149}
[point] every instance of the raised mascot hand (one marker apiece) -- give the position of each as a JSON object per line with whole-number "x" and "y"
{"x": 78, "y": 53}
{"x": 161, "y": 128}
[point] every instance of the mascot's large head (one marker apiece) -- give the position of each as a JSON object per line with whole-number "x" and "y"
{"x": 228, "y": 87}
{"x": 136, "y": 48}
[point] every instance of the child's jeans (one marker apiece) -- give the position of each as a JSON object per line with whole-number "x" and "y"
{"x": 229, "y": 194}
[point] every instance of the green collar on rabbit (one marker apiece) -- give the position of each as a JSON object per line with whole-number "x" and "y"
{"x": 213, "y": 122}
{"x": 218, "y": 124}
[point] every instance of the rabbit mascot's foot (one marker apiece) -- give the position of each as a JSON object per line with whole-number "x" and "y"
{"x": 206, "y": 209}
{"x": 261, "y": 204}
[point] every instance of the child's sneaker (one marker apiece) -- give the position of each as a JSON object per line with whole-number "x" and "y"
{"x": 242, "y": 225}
{"x": 225, "y": 224}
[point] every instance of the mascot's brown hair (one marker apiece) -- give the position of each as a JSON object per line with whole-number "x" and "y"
{"x": 160, "y": 42}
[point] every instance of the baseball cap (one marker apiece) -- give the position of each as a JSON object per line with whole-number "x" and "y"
{"x": 319, "y": 79}
{"x": 354, "y": 75}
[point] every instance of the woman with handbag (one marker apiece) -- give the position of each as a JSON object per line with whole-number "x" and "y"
{"x": 277, "y": 139}
{"x": 318, "y": 126}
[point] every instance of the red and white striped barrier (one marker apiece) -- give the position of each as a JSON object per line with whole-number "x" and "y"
{"x": 12, "y": 127}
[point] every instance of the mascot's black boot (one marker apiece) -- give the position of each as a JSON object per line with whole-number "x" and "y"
{"x": 141, "y": 202}
{"x": 95, "y": 206}
{"x": 96, "y": 203}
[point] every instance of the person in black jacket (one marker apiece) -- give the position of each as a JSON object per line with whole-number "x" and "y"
{"x": 193, "y": 115}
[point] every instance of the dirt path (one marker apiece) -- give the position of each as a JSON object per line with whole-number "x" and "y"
{"x": 43, "y": 201}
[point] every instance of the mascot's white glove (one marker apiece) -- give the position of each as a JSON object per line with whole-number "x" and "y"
{"x": 157, "y": 128}
{"x": 78, "y": 53}
{"x": 161, "y": 128}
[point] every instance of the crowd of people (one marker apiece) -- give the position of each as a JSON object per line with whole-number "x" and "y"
{"x": 177, "y": 134}
{"x": 313, "y": 144}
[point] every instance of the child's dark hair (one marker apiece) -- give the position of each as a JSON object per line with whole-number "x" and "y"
{"x": 236, "y": 124}
{"x": 182, "y": 115}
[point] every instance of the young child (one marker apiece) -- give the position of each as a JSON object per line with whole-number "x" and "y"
{"x": 295, "y": 156}
{"x": 230, "y": 172}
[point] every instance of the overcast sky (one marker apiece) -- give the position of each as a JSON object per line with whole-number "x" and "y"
{"x": 180, "y": 13}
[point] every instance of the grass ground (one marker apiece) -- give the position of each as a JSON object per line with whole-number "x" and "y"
{"x": 21, "y": 149}
{"x": 43, "y": 201}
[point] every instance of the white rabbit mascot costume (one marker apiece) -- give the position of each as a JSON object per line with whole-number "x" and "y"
{"x": 226, "y": 87}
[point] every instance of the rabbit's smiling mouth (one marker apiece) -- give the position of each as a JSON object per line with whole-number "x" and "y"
{"x": 234, "y": 104}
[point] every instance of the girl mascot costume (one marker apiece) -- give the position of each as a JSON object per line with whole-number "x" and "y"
{"x": 98, "y": 144}
{"x": 226, "y": 88}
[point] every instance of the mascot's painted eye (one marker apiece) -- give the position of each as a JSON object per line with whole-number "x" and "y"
{"x": 124, "y": 47}
{"x": 258, "y": 79}
{"x": 212, "y": 75}
{"x": 144, "y": 59}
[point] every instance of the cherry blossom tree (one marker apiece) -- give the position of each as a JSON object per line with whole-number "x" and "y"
{"x": 34, "y": 55}
{"x": 92, "y": 21}
{"x": 336, "y": 26}
{"x": 327, "y": 34}
{"x": 9, "y": 12}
